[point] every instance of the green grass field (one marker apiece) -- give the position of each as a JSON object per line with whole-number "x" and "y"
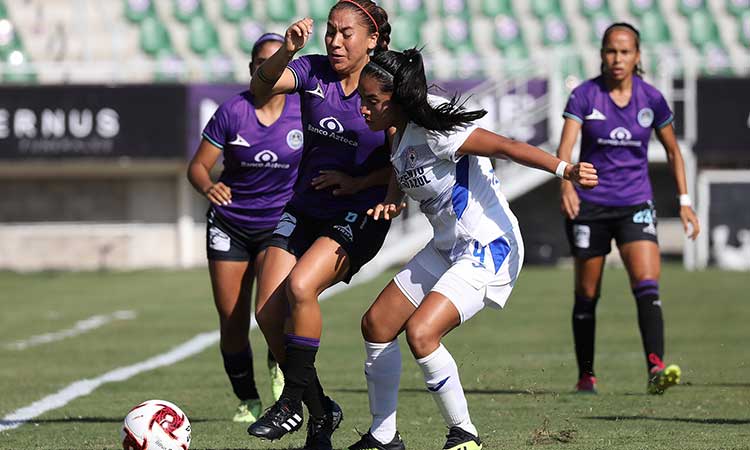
{"x": 517, "y": 365}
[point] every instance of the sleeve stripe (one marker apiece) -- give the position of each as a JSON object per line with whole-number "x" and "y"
{"x": 572, "y": 116}
{"x": 296, "y": 78}
{"x": 208, "y": 138}
{"x": 669, "y": 120}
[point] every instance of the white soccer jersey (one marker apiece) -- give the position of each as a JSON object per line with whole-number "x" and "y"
{"x": 460, "y": 195}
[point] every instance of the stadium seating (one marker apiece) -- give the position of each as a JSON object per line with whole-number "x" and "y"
{"x": 177, "y": 34}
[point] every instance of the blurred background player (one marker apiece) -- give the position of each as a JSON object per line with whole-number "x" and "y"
{"x": 246, "y": 203}
{"x": 616, "y": 112}
{"x": 439, "y": 159}
{"x": 324, "y": 235}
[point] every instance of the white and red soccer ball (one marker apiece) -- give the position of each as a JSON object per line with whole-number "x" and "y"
{"x": 155, "y": 425}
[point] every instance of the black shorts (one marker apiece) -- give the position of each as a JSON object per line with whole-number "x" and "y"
{"x": 358, "y": 234}
{"x": 227, "y": 242}
{"x": 590, "y": 234}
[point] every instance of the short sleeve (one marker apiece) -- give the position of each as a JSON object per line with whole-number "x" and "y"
{"x": 301, "y": 69}
{"x": 662, "y": 113}
{"x": 218, "y": 128}
{"x": 576, "y": 107}
{"x": 445, "y": 144}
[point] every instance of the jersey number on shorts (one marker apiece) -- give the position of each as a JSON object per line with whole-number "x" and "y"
{"x": 479, "y": 254}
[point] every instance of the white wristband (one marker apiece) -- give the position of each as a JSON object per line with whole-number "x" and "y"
{"x": 560, "y": 171}
{"x": 685, "y": 200}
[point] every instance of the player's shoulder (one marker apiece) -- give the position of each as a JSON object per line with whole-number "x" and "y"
{"x": 238, "y": 103}
{"x": 588, "y": 87}
{"x": 649, "y": 90}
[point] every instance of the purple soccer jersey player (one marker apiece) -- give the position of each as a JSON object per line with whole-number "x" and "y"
{"x": 616, "y": 113}
{"x": 261, "y": 145}
{"x": 615, "y": 139}
{"x": 336, "y": 138}
{"x": 260, "y": 161}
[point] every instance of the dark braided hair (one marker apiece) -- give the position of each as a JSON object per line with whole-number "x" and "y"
{"x": 402, "y": 74}
{"x": 376, "y": 21}
{"x": 623, "y": 25}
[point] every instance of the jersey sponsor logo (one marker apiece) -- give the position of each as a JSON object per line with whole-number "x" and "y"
{"x": 286, "y": 225}
{"x": 619, "y": 137}
{"x": 331, "y": 127}
{"x": 331, "y": 124}
{"x": 239, "y": 141}
{"x": 581, "y": 236}
{"x": 646, "y": 117}
{"x": 345, "y": 231}
{"x": 294, "y": 139}
{"x": 265, "y": 159}
{"x": 318, "y": 91}
{"x": 595, "y": 115}
{"x": 218, "y": 240}
{"x": 413, "y": 178}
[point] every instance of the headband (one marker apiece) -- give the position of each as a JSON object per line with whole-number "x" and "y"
{"x": 267, "y": 37}
{"x": 363, "y": 9}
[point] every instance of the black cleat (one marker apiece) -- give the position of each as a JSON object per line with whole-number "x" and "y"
{"x": 285, "y": 416}
{"x": 367, "y": 442}
{"x": 320, "y": 429}
{"x": 460, "y": 439}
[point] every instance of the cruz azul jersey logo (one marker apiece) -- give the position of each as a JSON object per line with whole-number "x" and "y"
{"x": 619, "y": 137}
{"x": 332, "y": 128}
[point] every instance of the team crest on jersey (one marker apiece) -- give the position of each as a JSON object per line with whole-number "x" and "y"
{"x": 412, "y": 157}
{"x": 294, "y": 139}
{"x": 645, "y": 117}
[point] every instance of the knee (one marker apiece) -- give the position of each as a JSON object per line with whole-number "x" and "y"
{"x": 298, "y": 288}
{"x": 422, "y": 340}
{"x": 371, "y": 331}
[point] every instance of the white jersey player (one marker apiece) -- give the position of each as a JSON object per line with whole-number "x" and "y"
{"x": 474, "y": 258}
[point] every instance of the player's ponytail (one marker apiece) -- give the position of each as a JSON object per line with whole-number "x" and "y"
{"x": 403, "y": 75}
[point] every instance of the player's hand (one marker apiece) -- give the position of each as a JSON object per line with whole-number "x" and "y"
{"x": 219, "y": 194}
{"x": 387, "y": 210}
{"x": 583, "y": 174}
{"x": 570, "y": 204}
{"x": 298, "y": 34}
{"x": 689, "y": 222}
{"x": 347, "y": 185}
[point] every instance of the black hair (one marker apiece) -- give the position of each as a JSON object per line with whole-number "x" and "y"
{"x": 263, "y": 40}
{"x": 402, "y": 74}
{"x": 638, "y": 69}
{"x": 372, "y": 16}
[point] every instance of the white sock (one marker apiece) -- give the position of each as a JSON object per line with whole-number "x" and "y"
{"x": 383, "y": 373}
{"x": 441, "y": 377}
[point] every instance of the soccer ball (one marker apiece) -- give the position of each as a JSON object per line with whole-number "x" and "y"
{"x": 155, "y": 425}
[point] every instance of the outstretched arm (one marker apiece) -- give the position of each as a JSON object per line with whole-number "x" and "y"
{"x": 570, "y": 203}
{"x": 486, "y": 143}
{"x": 273, "y": 77}
{"x": 677, "y": 165}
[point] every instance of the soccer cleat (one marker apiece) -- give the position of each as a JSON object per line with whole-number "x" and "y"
{"x": 277, "y": 379}
{"x": 460, "y": 439}
{"x": 586, "y": 384}
{"x": 368, "y": 442}
{"x": 662, "y": 379}
{"x": 285, "y": 416}
{"x": 248, "y": 411}
{"x": 320, "y": 429}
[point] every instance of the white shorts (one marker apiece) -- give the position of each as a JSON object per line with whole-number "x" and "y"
{"x": 479, "y": 277}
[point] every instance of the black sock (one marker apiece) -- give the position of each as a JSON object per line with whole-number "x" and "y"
{"x": 314, "y": 398}
{"x": 584, "y": 328}
{"x": 239, "y": 368}
{"x": 299, "y": 366}
{"x": 270, "y": 359}
{"x": 650, "y": 321}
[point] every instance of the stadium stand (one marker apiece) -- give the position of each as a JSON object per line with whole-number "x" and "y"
{"x": 142, "y": 40}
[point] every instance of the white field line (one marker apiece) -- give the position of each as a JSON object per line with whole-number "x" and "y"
{"x": 185, "y": 350}
{"x": 82, "y": 326}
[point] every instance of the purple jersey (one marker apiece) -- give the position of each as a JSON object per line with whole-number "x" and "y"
{"x": 336, "y": 138}
{"x": 615, "y": 139}
{"x": 260, "y": 162}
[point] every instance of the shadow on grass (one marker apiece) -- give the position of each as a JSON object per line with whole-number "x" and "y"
{"x": 467, "y": 391}
{"x": 727, "y": 385}
{"x": 709, "y": 421}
